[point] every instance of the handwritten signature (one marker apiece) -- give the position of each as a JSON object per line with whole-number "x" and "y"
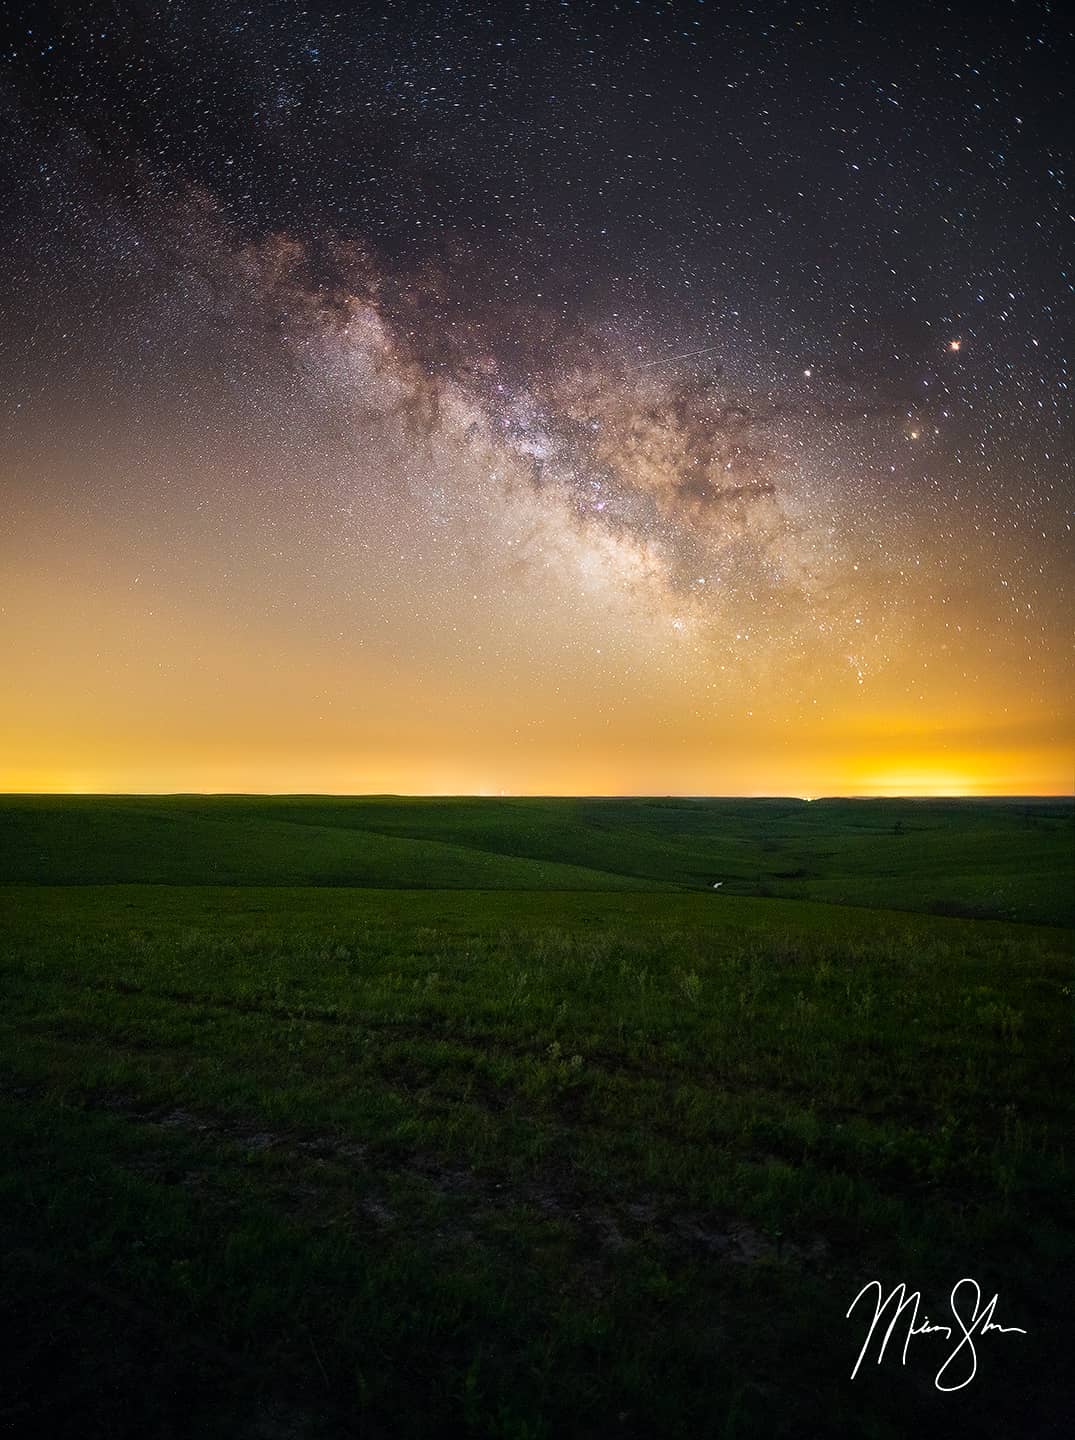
{"x": 963, "y": 1359}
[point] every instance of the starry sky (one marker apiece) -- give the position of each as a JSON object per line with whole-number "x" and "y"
{"x": 566, "y": 398}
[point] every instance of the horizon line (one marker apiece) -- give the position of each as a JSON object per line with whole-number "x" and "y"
{"x": 514, "y": 795}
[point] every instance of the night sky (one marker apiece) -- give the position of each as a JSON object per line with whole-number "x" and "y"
{"x": 551, "y": 398}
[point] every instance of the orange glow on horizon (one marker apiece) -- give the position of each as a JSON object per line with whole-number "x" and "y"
{"x": 896, "y": 777}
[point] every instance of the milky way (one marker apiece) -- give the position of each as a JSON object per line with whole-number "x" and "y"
{"x": 586, "y": 399}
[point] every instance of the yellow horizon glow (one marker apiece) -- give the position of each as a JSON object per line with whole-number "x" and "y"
{"x": 923, "y": 781}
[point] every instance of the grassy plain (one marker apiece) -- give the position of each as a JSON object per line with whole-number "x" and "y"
{"x": 458, "y": 1117}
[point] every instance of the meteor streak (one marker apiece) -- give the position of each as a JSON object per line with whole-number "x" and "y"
{"x": 667, "y": 359}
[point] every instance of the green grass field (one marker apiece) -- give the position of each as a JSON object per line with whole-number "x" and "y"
{"x": 331, "y": 1117}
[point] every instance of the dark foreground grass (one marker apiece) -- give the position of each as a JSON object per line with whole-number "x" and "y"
{"x": 301, "y": 1162}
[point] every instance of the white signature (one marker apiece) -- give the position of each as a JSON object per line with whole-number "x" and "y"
{"x": 980, "y": 1322}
